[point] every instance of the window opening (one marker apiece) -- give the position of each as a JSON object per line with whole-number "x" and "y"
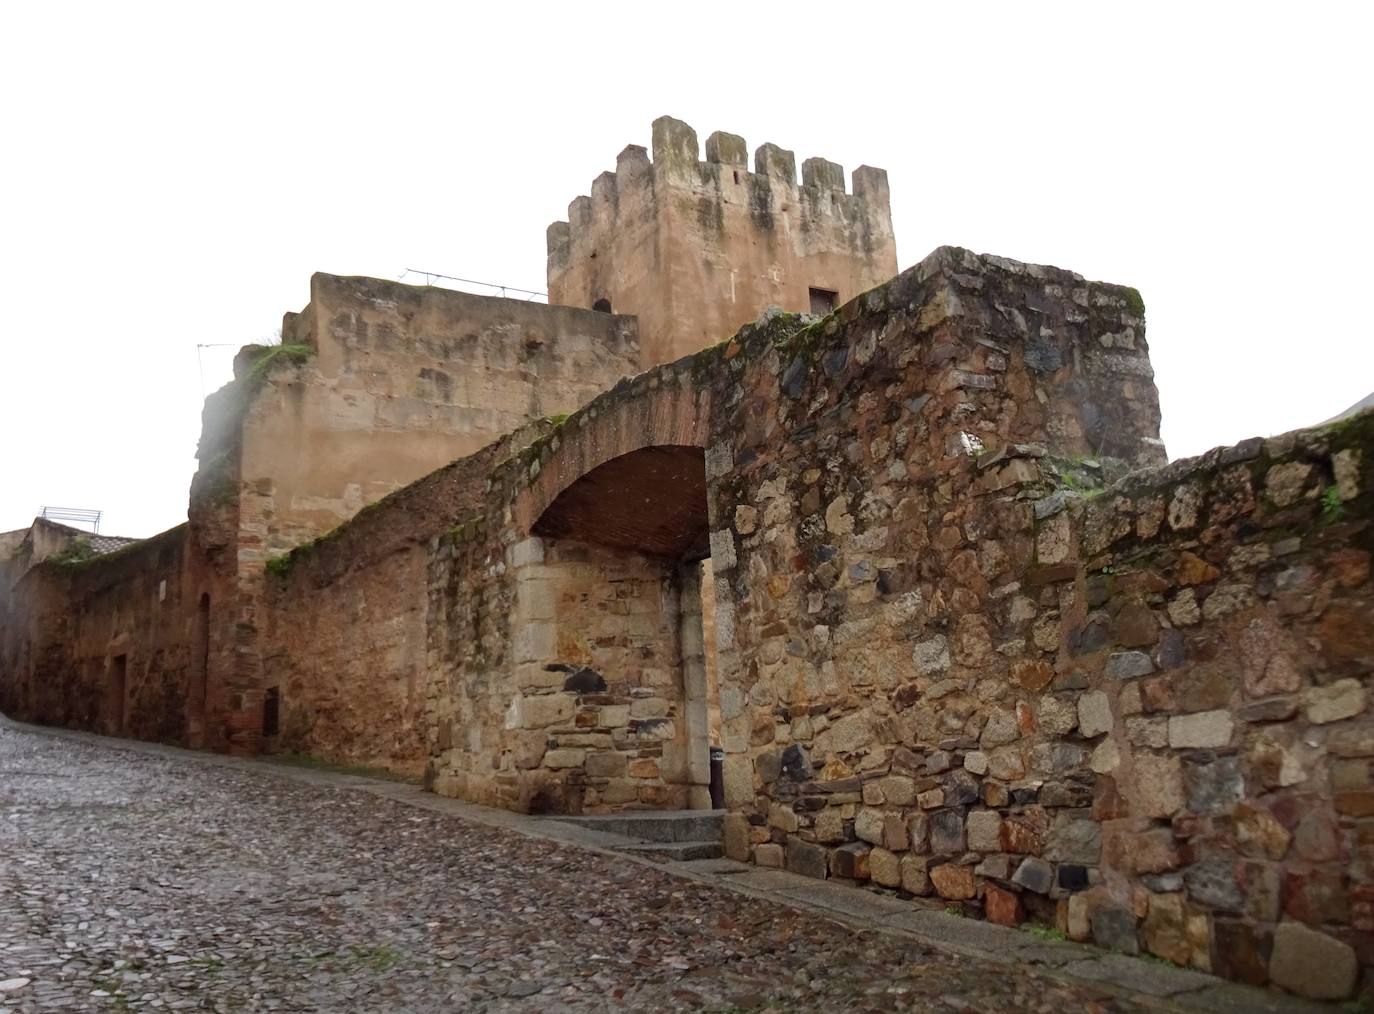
{"x": 823, "y": 301}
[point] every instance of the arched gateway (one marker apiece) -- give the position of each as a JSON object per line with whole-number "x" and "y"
{"x": 608, "y": 607}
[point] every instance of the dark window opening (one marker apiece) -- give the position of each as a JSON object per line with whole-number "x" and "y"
{"x": 823, "y": 301}
{"x": 603, "y": 304}
{"x": 271, "y": 712}
{"x": 736, "y": 175}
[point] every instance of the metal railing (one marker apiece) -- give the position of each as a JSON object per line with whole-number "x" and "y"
{"x": 431, "y": 276}
{"x": 73, "y": 515}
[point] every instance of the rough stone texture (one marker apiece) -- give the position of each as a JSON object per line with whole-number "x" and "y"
{"x": 1002, "y": 906}
{"x": 1343, "y": 699}
{"x": 348, "y": 901}
{"x": 953, "y": 882}
{"x": 1114, "y": 928}
{"x": 984, "y": 831}
{"x": 1208, "y": 729}
{"x": 1094, "y": 714}
{"x": 1312, "y": 963}
{"x": 1034, "y": 875}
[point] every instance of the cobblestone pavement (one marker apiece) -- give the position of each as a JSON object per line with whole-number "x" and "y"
{"x": 131, "y": 881}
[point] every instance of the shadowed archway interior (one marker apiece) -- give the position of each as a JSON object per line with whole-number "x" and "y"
{"x": 651, "y": 501}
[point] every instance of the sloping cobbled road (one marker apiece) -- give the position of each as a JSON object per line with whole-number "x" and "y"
{"x": 131, "y": 881}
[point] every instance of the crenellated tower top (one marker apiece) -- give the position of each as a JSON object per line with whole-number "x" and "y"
{"x": 697, "y": 248}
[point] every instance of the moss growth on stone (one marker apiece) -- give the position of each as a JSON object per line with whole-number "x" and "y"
{"x": 805, "y": 340}
{"x": 781, "y": 329}
{"x": 78, "y": 552}
{"x": 1352, "y": 431}
{"x": 705, "y": 362}
{"x": 280, "y": 566}
{"x": 270, "y": 355}
{"x": 301, "y": 760}
{"x": 87, "y": 557}
{"x": 464, "y": 531}
{"x": 1087, "y": 476}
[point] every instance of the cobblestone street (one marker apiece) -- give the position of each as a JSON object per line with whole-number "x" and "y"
{"x": 138, "y": 881}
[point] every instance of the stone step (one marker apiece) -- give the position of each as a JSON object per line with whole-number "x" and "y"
{"x": 657, "y": 825}
{"x": 676, "y": 851}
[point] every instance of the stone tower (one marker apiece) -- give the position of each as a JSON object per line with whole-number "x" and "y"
{"x": 695, "y": 249}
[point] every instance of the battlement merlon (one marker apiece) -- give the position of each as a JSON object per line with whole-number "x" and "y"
{"x": 676, "y": 160}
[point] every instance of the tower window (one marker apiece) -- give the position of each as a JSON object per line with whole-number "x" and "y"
{"x": 603, "y": 304}
{"x": 823, "y": 301}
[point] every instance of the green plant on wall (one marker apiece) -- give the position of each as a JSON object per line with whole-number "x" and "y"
{"x": 273, "y": 354}
{"x": 79, "y": 550}
{"x": 1332, "y": 507}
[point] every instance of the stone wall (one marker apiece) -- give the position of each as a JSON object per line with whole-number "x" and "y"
{"x": 402, "y": 380}
{"x": 695, "y": 249}
{"x": 1217, "y": 642}
{"x": 344, "y": 643}
{"x": 960, "y": 663}
{"x": 114, "y": 644}
{"x": 567, "y": 675}
{"x": 951, "y": 675}
{"x": 1143, "y": 725}
{"x": 1006, "y": 352}
{"x": 976, "y": 642}
{"x": 375, "y": 385}
{"x": 597, "y": 665}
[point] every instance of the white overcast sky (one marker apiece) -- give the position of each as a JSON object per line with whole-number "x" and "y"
{"x": 172, "y": 174}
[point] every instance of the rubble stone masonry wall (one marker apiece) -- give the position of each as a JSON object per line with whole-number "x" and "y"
{"x": 958, "y": 353}
{"x": 958, "y": 661}
{"x": 1133, "y": 713}
{"x": 114, "y": 644}
{"x": 345, "y": 635}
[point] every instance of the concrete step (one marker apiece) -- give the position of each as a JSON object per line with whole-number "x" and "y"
{"x": 657, "y": 825}
{"x": 676, "y": 851}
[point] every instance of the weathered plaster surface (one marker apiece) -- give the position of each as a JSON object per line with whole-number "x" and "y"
{"x": 695, "y": 249}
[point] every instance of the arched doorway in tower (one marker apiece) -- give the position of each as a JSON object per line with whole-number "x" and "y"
{"x": 617, "y": 694}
